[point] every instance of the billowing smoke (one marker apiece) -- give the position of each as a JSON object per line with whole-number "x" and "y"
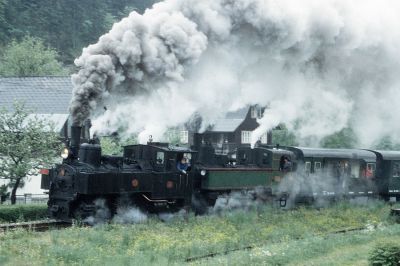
{"x": 101, "y": 215}
{"x": 241, "y": 200}
{"x": 129, "y": 215}
{"x": 125, "y": 214}
{"x": 322, "y": 187}
{"x": 319, "y": 66}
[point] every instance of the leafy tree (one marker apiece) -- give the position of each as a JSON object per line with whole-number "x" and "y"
{"x": 66, "y": 25}
{"x": 4, "y": 194}
{"x": 345, "y": 138}
{"x": 283, "y": 137}
{"x": 386, "y": 143}
{"x": 110, "y": 146}
{"x": 26, "y": 145}
{"x": 114, "y": 146}
{"x": 29, "y": 58}
{"x": 3, "y": 22}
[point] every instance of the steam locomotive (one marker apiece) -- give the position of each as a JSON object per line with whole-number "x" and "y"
{"x": 146, "y": 176}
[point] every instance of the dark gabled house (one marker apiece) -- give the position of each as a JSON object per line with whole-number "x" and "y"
{"x": 46, "y": 97}
{"x": 232, "y": 131}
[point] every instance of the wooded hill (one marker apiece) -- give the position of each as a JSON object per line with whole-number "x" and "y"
{"x": 65, "y": 25}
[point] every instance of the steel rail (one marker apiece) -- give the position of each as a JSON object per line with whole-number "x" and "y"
{"x": 38, "y": 226}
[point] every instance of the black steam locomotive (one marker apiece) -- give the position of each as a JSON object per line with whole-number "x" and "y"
{"x": 147, "y": 176}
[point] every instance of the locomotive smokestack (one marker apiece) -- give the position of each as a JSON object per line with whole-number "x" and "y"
{"x": 75, "y": 140}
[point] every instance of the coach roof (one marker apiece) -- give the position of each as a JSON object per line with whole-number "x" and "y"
{"x": 388, "y": 155}
{"x": 335, "y": 153}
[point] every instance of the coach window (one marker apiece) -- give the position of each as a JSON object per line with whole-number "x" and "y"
{"x": 370, "y": 170}
{"x": 317, "y": 166}
{"x": 160, "y": 157}
{"x": 307, "y": 167}
{"x": 396, "y": 169}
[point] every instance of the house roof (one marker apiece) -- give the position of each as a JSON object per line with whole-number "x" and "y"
{"x": 43, "y": 95}
{"x": 230, "y": 122}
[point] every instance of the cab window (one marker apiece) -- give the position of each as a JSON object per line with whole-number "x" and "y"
{"x": 160, "y": 158}
{"x": 188, "y": 157}
{"x": 265, "y": 158}
{"x": 242, "y": 156}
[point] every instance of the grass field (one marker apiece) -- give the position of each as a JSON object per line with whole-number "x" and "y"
{"x": 297, "y": 237}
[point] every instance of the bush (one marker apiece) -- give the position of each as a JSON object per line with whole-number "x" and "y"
{"x": 385, "y": 253}
{"x": 19, "y": 213}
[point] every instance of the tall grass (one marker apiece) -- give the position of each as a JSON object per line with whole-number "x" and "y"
{"x": 156, "y": 242}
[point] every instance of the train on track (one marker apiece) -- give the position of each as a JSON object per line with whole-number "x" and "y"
{"x": 147, "y": 176}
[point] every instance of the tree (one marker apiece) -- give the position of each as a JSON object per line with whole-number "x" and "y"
{"x": 3, "y": 22}
{"x": 30, "y": 57}
{"x": 66, "y": 25}
{"x": 386, "y": 143}
{"x": 26, "y": 145}
{"x": 284, "y": 137}
{"x": 114, "y": 145}
{"x": 345, "y": 138}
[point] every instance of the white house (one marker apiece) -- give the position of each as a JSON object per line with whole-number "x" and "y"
{"x": 46, "y": 97}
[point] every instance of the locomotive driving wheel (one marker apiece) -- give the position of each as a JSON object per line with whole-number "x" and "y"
{"x": 91, "y": 211}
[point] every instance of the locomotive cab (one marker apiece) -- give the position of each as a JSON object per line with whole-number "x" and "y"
{"x": 167, "y": 186}
{"x": 159, "y": 156}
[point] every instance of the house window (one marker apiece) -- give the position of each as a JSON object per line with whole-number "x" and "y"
{"x": 246, "y": 137}
{"x": 184, "y": 137}
{"x": 264, "y": 138}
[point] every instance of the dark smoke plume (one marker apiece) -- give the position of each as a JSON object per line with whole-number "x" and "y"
{"x": 320, "y": 66}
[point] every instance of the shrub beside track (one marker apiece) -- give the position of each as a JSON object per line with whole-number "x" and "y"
{"x": 21, "y": 213}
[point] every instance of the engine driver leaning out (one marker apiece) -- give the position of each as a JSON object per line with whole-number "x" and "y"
{"x": 182, "y": 165}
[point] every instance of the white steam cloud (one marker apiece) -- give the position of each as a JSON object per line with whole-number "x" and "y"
{"x": 319, "y": 65}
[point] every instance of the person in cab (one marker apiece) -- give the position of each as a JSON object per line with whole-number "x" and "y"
{"x": 286, "y": 165}
{"x": 183, "y": 165}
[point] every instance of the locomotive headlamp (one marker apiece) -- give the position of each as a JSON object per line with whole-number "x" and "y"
{"x": 65, "y": 153}
{"x": 203, "y": 172}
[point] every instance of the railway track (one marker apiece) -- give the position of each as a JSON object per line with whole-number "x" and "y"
{"x": 395, "y": 211}
{"x": 39, "y": 226}
{"x": 210, "y": 255}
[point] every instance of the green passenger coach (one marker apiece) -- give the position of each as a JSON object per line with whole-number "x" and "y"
{"x": 258, "y": 167}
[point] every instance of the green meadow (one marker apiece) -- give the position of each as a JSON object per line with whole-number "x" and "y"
{"x": 342, "y": 234}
